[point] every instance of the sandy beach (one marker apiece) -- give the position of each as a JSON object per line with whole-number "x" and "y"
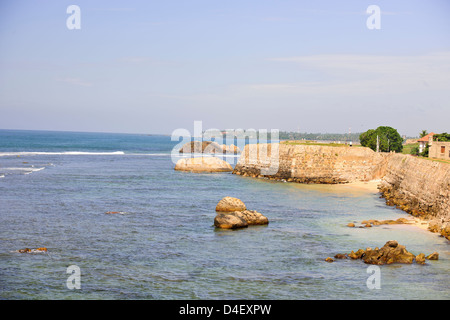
{"x": 372, "y": 187}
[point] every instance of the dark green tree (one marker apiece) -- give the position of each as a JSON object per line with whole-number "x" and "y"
{"x": 444, "y": 137}
{"x": 389, "y": 139}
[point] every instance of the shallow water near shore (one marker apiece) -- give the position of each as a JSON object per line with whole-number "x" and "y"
{"x": 164, "y": 245}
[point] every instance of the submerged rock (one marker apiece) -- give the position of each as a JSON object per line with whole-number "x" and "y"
{"x": 28, "y": 250}
{"x": 370, "y": 223}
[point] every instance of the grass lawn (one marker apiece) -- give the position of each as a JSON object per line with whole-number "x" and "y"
{"x": 408, "y": 147}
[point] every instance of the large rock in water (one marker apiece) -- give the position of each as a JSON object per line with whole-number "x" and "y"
{"x": 232, "y": 214}
{"x": 201, "y": 147}
{"x": 230, "y": 204}
{"x": 391, "y": 252}
{"x": 203, "y": 164}
{"x": 230, "y": 220}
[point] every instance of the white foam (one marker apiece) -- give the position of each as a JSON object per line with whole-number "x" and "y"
{"x": 27, "y": 170}
{"x": 34, "y": 170}
{"x": 71, "y": 153}
{"x": 24, "y": 169}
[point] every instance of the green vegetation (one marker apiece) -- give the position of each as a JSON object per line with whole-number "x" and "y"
{"x": 344, "y": 137}
{"x": 444, "y": 137}
{"x": 389, "y": 139}
{"x": 310, "y": 143}
{"x": 411, "y": 149}
{"x": 423, "y": 133}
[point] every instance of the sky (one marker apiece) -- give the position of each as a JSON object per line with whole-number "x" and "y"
{"x": 156, "y": 66}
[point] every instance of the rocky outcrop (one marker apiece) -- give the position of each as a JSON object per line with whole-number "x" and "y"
{"x": 391, "y": 252}
{"x": 311, "y": 163}
{"x": 203, "y": 164}
{"x": 420, "y": 187}
{"x": 208, "y": 147}
{"x": 232, "y": 214}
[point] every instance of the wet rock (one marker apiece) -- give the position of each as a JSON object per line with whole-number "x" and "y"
{"x": 391, "y": 252}
{"x": 433, "y": 256}
{"x": 392, "y": 243}
{"x": 356, "y": 255}
{"x": 231, "y": 220}
{"x": 420, "y": 259}
{"x": 329, "y": 259}
{"x": 351, "y": 225}
{"x": 253, "y": 217}
{"x": 340, "y": 256}
{"x": 370, "y": 223}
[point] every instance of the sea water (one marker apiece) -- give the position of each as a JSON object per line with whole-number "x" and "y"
{"x": 56, "y": 187}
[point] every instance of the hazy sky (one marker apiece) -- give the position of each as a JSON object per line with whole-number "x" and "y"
{"x": 155, "y": 66}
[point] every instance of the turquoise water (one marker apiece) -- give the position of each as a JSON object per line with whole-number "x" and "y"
{"x": 56, "y": 187}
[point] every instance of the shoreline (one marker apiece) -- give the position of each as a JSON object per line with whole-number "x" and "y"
{"x": 373, "y": 187}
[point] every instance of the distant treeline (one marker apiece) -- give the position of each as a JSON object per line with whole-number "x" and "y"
{"x": 343, "y": 137}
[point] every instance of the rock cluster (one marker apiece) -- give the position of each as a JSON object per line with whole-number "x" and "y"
{"x": 203, "y": 164}
{"x": 233, "y": 214}
{"x": 391, "y": 252}
{"x": 443, "y": 230}
{"x": 420, "y": 187}
{"x": 370, "y": 223}
{"x": 208, "y": 147}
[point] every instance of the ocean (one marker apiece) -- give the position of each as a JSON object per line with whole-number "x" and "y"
{"x": 56, "y": 187}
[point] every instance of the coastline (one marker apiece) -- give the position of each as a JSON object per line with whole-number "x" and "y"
{"x": 372, "y": 186}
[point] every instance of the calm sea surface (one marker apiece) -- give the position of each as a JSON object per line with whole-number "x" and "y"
{"x": 55, "y": 188}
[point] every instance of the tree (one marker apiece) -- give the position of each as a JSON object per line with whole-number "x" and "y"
{"x": 442, "y": 137}
{"x": 423, "y": 133}
{"x": 389, "y": 139}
